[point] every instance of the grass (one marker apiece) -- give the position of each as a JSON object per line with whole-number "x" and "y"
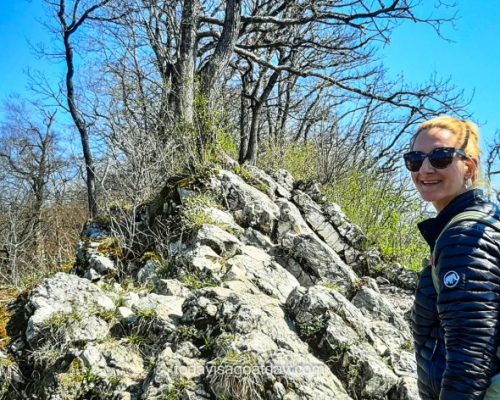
{"x": 236, "y": 376}
{"x": 175, "y": 393}
{"x": 194, "y": 282}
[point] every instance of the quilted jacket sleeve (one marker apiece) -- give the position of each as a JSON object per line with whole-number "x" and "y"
{"x": 468, "y": 301}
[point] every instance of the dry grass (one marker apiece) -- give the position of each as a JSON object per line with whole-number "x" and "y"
{"x": 7, "y": 295}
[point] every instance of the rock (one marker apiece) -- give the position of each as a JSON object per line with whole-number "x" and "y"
{"x": 126, "y": 315}
{"x": 202, "y": 257}
{"x": 172, "y": 287}
{"x": 310, "y": 260}
{"x": 257, "y": 239}
{"x": 165, "y": 310}
{"x": 147, "y": 274}
{"x": 257, "y": 267}
{"x": 254, "y": 208}
{"x": 265, "y": 303}
{"x": 367, "y": 375}
{"x": 70, "y": 301}
{"x": 401, "y": 277}
{"x": 350, "y": 233}
{"x": 312, "y": 189}
{"x": 284, "y": 179}
{"x": 315, "y": 218}
{"x": 341, "y": 334}
{"x": 304, "y": 377}
{"x": 112, "y": 362}
{"x": 101, "y": 264}
{"x": 224, "y": 220}
{"x": 177, "y": 373}
{"x": 274, "y": 187}
{"x": 223, "y": 243}
{"x": 290, "y": 220}
{"x": 378, "y": 307}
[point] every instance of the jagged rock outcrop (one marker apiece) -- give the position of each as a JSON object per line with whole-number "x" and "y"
{"x": 264, "y": 292}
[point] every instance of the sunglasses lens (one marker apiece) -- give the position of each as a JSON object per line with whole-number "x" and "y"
{"x": 414, "y": 160}
{"x": 441, "y": 158}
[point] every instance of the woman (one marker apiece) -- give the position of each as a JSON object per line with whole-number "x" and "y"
{"x": 456, "y": 327}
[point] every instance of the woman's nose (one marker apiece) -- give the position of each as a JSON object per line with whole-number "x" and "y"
{"x": 426, "y": 166}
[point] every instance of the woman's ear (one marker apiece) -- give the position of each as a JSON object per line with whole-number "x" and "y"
{"x": 471, "y": 167}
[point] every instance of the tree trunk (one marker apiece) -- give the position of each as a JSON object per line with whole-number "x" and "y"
{"x": 183, "y": 76}
{"x": 251, "y": 155}
{"x": 214, "y": 68}
{"x": 80, "y": 125}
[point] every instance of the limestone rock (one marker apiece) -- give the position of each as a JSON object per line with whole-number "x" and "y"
{"x": 69, "y": 299}
{"x": 253, "y": 207}
{"x": 177, "y": 373}
{"x": 114, "y": 362}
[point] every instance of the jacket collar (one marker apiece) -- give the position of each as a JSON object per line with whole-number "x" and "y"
{"x": 432, "y": 227}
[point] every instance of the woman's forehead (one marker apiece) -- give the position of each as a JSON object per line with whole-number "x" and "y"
{"x": 429, "y": 139}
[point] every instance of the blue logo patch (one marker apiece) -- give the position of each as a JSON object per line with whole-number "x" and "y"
{"x": 451, "y": 279}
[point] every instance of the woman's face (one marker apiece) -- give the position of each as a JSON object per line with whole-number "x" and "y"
{"x": 439, "y": 186}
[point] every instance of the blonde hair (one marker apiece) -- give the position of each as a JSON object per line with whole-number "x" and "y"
{"x": 466, "y": 134}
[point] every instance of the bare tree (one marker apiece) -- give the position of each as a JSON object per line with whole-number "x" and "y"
{"x": 29, "y": 160}
{"x": 295, "y": 64}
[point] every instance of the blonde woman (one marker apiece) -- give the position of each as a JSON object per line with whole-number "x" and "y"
{"x": 456, "y": 314}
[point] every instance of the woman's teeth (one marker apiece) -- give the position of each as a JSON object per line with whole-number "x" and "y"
{"x": 430, "y": 182}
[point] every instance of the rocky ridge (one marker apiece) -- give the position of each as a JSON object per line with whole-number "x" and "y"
{"x": 264, "y": 290}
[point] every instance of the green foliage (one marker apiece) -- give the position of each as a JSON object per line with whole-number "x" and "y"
{"x": 62, "y": 320}
{"x": 193, "y": 281}
{"x": 175, "y": 392}
{"x": 193, "y": 212}
{"x": 135, "y": 338}
{"x": 8, "y": 371}
{"x": 310, "y": 328}
{"x": 385, "y": 214}
{"x": 300, "y": 159}
{"x": 147, "y": 313}
{"x": 379, "y": 204}
{"x": 107, "y": 315}
{"x": 408, "y": 346}
{"x": 334, "y": 286}
{"x": 111, "y": 246}
{"x": 227, "y": 143}
{"x": 246, "y": 174}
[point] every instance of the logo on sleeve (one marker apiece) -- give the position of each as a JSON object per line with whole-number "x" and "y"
{"x": 451, "y": 279}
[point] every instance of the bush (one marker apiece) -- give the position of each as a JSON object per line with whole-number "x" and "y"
{"x": 300, "y": 159}
{"x": 379, "y": 203}
{"x": 385, "y": 212}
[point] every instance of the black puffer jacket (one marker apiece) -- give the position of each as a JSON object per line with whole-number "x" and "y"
{"x": 457, "y": 332}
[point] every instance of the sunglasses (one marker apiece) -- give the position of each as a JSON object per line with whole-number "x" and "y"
{"x": 439, "y": 158}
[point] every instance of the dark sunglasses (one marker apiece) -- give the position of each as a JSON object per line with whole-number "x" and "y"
{"x": 439, "y": 158}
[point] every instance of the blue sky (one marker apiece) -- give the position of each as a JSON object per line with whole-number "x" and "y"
{"x": 472, "y": 60}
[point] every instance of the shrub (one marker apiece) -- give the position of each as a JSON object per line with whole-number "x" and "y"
{"x": 300, "y": 159}
{"x": 386, "y": 214}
